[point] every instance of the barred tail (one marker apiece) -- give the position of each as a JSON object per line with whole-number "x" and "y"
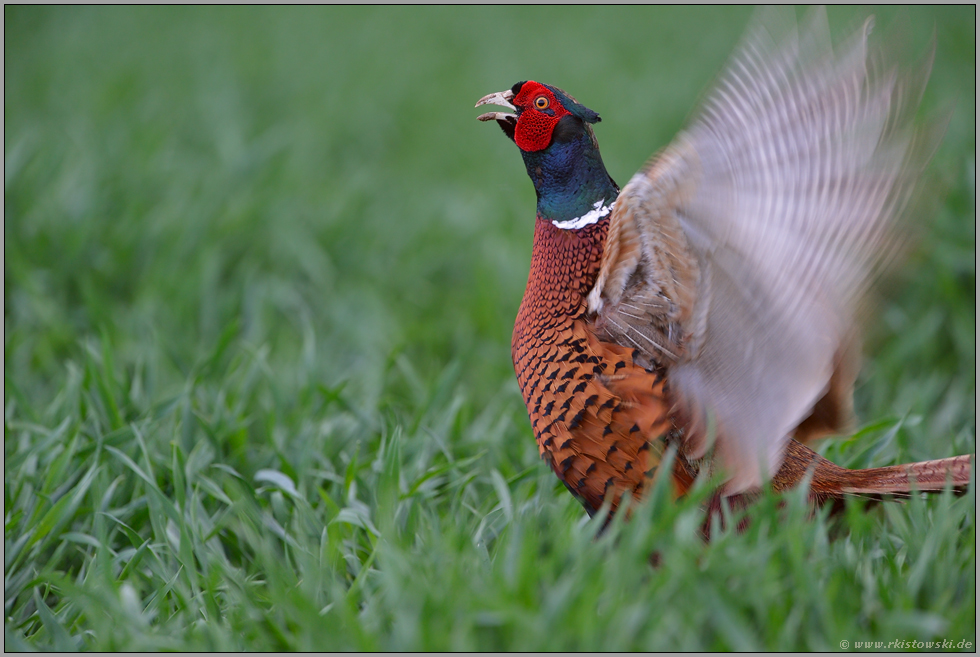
{"x": 834, "y": 482}
{"x": 925, "y": 476}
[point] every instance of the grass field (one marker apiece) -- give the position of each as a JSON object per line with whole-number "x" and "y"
{"x": 260, "y": 272}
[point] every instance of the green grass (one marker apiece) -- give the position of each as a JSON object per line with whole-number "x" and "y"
{"x": 260, "y": 272}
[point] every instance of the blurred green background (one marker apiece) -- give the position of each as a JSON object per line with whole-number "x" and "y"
{"x": 261, "y": 267}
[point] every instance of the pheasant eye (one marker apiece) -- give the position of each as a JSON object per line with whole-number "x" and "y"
{"x": 541, "y": 102}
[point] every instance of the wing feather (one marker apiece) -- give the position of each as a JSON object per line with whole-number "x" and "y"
{"x": 739, "y": 255}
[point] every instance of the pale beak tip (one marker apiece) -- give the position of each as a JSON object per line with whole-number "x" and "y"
{"x": 501, "y": 98}
{"x": 497, "y": 116}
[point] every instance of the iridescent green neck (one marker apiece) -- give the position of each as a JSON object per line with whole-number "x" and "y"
{"x": 571, "y": 181}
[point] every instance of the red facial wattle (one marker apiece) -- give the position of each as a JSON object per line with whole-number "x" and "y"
{"x": 535, "y": 124}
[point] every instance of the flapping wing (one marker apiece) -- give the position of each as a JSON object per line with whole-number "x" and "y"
{"x": 738, "y": 256}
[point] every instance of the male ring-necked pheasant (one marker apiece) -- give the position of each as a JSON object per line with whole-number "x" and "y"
{"x": 711, "y": 303}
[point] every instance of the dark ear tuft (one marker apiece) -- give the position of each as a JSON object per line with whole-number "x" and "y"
{"x": 575, "y": 107}
{"x": 588, "y": 115}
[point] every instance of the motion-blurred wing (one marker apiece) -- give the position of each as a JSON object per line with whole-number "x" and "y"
{"x": 737, "y": 257}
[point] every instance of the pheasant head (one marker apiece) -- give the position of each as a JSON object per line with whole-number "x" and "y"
{"x": 560, "y": 151}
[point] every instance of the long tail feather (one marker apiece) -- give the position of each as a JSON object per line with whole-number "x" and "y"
{"x": 831, "y": 481}
{"x": 924, "y": 476}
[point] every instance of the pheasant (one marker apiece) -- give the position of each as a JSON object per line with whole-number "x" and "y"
{"x": 711, "y": 304}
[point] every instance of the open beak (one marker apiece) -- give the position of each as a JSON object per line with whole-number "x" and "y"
{"x": 501, "y": 98}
